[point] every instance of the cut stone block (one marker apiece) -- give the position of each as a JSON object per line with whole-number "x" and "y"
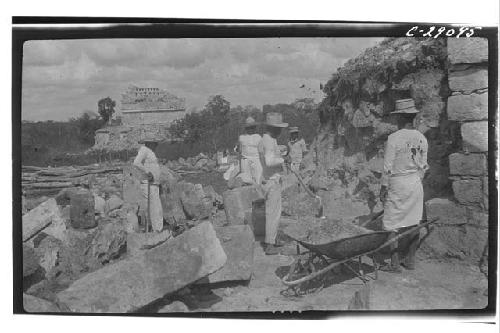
{"x": 132, "y": 192}
{"x": 447, "y": 211}
{"x": 238, "y": 201}
{"x": 468, "y": 191}
{"x": 238, "y": 244}
{"x": 39, "y": 218}
{"x": 135, "y": 282}
{"x": 477, "y": 218}
{"x": 475, "y": 136}
{"x": 32, "y": 304}
{"x": 114, "y": 202}
{"x": 82, "y": 213}
{"x": 468, "y": 80}
{"x": 468, "y": 164}
{"x": 486, "y": 197}
{"x": 467, "y": 50}
{"x": 172, "y": 205}
{"x": 468, "y": 107}
{"x": 193, "y": 200}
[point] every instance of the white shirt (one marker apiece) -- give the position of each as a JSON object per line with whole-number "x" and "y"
{"x": 270, "y": 157}
{"x": 405, "y": 153}
{"x": 250, "y": 145}
{"x": 147, "y": 161}
{"x": 297, "y": 149}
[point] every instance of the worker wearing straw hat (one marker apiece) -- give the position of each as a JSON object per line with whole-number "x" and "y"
{"x": 296, "y": 149}
{"x": 249, "y": 151}
{"x": 147, "y": 161}
{"x": 405, "y": 164}
{"x": 272, "y": 163}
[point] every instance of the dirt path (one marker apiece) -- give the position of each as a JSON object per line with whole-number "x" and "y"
{"x": 433, "y": 285}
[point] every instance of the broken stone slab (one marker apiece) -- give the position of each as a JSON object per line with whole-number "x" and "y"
{"x": 39, "y": 218}
{"x": 82, "y": 213}
{"x": 238, "y": 244}
{"x": 137, "y": 242}
{"x": 135, "y": 282}
{"x": 238, "y": 201}
{"x": 32, "y": 304}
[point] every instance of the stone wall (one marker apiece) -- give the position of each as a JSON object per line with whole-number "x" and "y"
{"x": 151, "y": 117}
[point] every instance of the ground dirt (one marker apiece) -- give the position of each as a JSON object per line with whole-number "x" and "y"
{"x": 450, "y": 284}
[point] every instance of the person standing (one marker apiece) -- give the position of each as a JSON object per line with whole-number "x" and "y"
{"x": 249, "y": 151}
{"x": 405, "y": 164}
{"x": 296, "y": 149}
{"x": 147, "y": 161}
{"x": 272, "y": 163}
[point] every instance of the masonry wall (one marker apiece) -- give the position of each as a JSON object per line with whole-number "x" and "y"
{"x": 467, "y": 105}
{"x": 151, "y": 117}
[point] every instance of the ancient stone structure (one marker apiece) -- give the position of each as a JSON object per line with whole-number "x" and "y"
{"x": 144, "y": 112}
{"x": 448, "y": 79}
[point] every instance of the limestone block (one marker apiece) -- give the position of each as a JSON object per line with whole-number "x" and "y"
{"x": 468, "y": 164}
{"x": 468, "y": 191}
{"x": 468, "y": 80}
{"x": 135, "y": 282}
{"x": 467, "y": 50}
{"x": 447, "y": 211}
{"x": 475, "y": 136}
{"x": 468, "y": 107}
{"x": 39, "y": 218}
{"x": 238, "y": 201}
{"x": 114, "y": 202}
{"x": 238, "y": 244}
{"x": 31, "y": 261}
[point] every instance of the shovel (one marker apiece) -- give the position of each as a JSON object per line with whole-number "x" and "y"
{"x": 320, "y": 213}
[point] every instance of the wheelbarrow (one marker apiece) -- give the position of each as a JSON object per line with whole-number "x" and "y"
{"x": 343, "y": 251}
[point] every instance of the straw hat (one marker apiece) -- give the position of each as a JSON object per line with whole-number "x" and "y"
{"x": 405, "y": 106}
{"x": 250, "y": 122}
{"x": 294, "y": 130}
{"x": 275, "y": 119}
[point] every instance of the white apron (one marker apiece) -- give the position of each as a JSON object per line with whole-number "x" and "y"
{"x": 405, "y": 200}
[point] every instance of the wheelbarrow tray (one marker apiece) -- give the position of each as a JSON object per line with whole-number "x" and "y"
{"x": 348, "y": 247}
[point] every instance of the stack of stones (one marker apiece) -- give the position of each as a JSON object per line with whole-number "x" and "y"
{"x": 468, "y": 106}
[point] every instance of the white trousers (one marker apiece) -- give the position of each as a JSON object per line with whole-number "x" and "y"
{"x": 272, "y": 190}
{"x": 252, "y": 167}
{"x": 155, "y": 209}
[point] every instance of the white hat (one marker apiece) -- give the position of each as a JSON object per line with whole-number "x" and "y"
{"x": 405, "y": 106}
{"x": 275, "y": 119}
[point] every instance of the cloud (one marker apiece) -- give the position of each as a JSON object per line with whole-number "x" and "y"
{"x": 62, "y": 78}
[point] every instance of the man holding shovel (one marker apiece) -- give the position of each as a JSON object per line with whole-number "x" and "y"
{"x": 147, "y": 161}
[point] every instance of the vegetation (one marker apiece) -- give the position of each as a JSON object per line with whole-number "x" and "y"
{"x": 106, "y": 108}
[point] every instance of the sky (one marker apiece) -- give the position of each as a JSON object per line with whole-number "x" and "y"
{"x": 64, "y": 78}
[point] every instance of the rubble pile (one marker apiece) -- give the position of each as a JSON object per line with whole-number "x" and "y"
{"x": 91, "y": 231}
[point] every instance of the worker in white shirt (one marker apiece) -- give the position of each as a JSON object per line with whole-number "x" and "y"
{"x": 405, "y": 164}
{"x": 296, "y": 149}
{"x": 147, "y": 161}
{"x": 272, "y": 163}
{"x": 249, "y": 151}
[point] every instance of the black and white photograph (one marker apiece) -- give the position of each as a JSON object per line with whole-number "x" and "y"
{"x": 219, "y": 168}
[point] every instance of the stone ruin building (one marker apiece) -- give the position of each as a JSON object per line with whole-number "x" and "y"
{"x": 143, "y": 111}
